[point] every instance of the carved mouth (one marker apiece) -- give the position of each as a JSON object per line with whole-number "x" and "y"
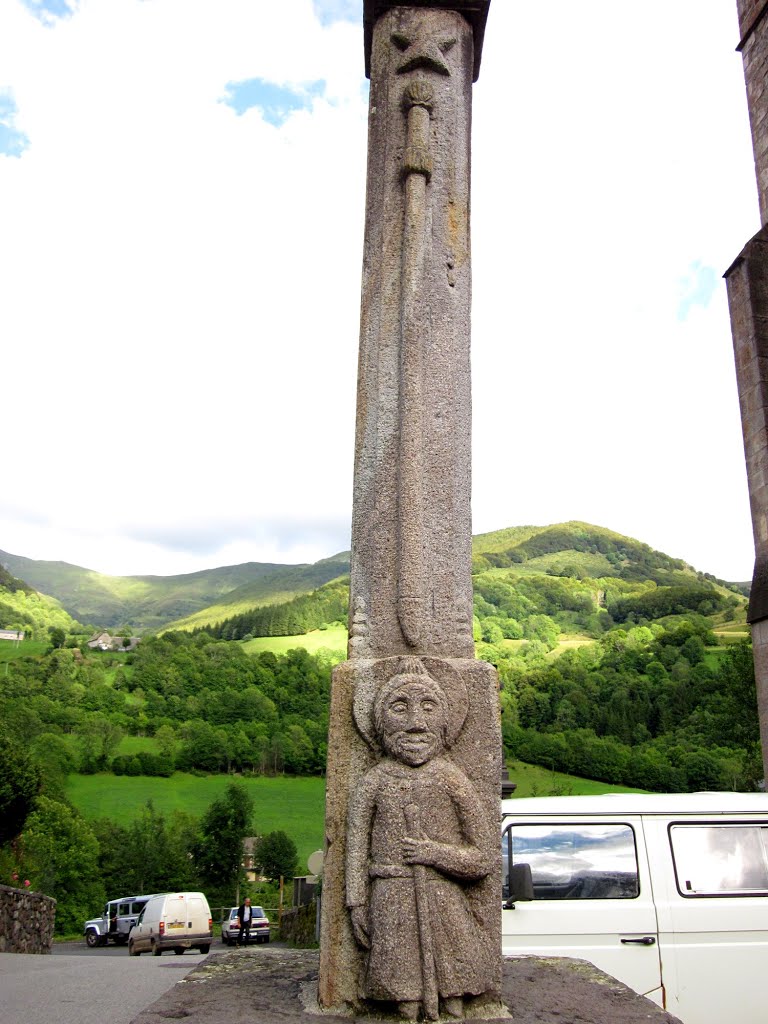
{"x": 417, "y": 744}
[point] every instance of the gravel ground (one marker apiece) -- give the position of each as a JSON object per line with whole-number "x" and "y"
{"x": 276, "y": 984}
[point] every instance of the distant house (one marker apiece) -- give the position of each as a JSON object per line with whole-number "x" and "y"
{"x": 104, "y": 642}
{"x": 12, "y": 634}
{"x": 248, "y": 863}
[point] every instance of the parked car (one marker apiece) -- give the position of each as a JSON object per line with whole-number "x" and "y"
{"x": 667, "y": 893}
{"x": 230, "y": 927}
{"x": 173, "y": 920}
{"x": 120, "y": 915}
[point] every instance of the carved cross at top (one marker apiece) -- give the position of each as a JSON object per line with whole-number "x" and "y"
{"x": 423, "y": 49}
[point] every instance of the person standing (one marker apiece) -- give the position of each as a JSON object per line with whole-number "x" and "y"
{"x": 244, "y": 916}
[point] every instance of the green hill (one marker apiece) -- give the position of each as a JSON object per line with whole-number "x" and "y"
{"x": 22, "y": 608}
{"x": 147, "y": 603}
{"x": 230, "y": 594}
{"x": 284, "y": 584}
{"x": 530, "y": 583}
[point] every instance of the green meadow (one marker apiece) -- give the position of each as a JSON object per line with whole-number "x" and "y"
{"x": 295, "y": 805}
{"x": 333, "y": 639}
{"x": 10, "y": 650}
{"x": 535, "y": 781}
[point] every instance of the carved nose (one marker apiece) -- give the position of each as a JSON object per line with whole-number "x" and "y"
{"x": 417, "y": 723}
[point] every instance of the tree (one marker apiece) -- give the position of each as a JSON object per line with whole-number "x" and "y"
{"x": 165, "y": 737}
{"x": 156, "y": 857}
{"x": 57, "y": 636}
{"x": 19, "y": 785}
{"x": 59, "y": 854}
{"x": 218, "y": 853}
{"x": 276, "y": 855}
{"x": 99, "y": 739}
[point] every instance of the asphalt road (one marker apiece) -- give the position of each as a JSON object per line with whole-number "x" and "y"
{"x": 77, "y": 985}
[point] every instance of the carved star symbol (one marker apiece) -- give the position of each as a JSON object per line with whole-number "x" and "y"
{"x": 423, "y": 50}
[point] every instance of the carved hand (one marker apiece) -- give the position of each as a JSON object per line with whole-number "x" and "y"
{"x": 418, "y": 851}
{"x": 359, "y": 917}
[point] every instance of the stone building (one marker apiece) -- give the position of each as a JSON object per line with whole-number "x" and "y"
{"x": 747, "y": 282}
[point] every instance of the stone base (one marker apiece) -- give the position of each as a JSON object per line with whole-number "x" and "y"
{"x": 270, "y": 983}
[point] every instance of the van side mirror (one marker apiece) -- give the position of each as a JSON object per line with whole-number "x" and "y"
{"x": 520, "y": 885}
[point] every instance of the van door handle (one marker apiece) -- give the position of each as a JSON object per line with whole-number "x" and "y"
{"x": 647, "y": 940}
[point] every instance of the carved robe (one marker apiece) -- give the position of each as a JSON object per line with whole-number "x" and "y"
{"x": 377, "y": 876}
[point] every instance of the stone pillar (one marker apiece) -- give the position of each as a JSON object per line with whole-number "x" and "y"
{"x": 747, "y": 283}
{"x": 412, "y": 880}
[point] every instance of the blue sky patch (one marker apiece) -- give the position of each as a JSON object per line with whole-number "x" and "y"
{"x": 696, "y": 289}
{"x": 12, "y": 141}
{"x": 330, "y": 11}
{"x": 48, "y": 10}
{"x": 275, "y": 102}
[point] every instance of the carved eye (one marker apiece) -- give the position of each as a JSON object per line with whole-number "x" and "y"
{"x": 429, "y": 706}
{"x": 447, "y": 44}
{"x": 398, "y": 707}
{"x": 401, "y": 42}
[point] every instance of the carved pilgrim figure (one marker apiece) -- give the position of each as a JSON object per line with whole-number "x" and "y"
{"x": 418, "y": 840}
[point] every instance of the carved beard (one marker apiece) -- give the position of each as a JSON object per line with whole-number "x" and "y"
{"x": 413, "y": 747}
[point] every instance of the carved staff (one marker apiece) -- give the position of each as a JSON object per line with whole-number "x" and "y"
{"x": 420, "y": 884}
{"x": 417, "y": 170}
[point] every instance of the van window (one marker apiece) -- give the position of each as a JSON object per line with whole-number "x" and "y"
{"x": 574, "y": 861}
{"x": 124, "y": 909}
{"x": 137, "y": 906}
{"x": 713, "y": 860}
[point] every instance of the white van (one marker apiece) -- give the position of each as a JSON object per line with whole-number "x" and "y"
{"x": 174, "y": 920}
{"x": 667, "y": 893}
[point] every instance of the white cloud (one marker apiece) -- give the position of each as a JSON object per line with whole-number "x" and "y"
{"x": 181, "y": 283}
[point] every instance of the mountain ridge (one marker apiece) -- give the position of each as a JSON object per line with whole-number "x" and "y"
{"x": 148, "y": 603}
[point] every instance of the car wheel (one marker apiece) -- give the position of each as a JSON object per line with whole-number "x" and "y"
{"x": 156, "y": 951}
{"x": 204, "y": 949}
{"x": 92, "y": 938}
{"x": 132, "y": 951}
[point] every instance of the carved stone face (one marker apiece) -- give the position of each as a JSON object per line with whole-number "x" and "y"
{"x": 413, "y": 722}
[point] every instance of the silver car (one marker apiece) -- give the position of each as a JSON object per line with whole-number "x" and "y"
{"x": 259, "y": 931}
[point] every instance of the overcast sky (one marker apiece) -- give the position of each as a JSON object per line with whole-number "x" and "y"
{"x": 182, "y": 186}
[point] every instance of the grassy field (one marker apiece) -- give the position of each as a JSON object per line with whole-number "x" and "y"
{"x": 10, "y": 650}
{"x": 294, "y": 805}
{"x": 333, "y": 639}
{"x": 533, "y": 780}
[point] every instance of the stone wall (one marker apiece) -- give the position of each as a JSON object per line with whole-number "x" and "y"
{"x": 26, "y": 921}
{"x": 297, "y": 926}
{"x": 753, "y": 31}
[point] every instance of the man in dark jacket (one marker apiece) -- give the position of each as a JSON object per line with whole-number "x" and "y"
{"x": 244, "y": 917}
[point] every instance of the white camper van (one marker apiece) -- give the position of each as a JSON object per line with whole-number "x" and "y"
{"x": 175, "y": 920}
{"x": 669, "y": 894}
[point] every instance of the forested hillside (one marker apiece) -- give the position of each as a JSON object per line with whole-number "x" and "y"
{"x": 617, "y": 663}
{"x": 22, "y": 608}
{"x": 147, "y": 603}
{"x": 631, "y": 665}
